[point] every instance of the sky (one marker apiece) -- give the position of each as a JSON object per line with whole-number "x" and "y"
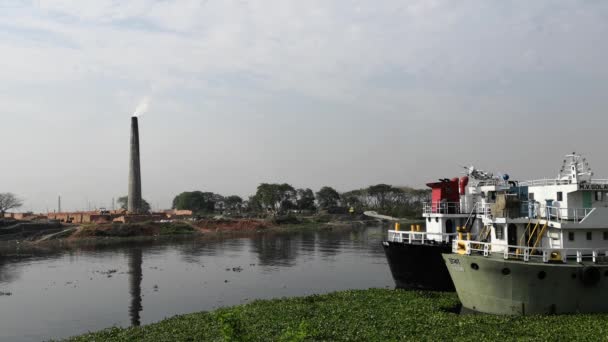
{"x": 343, "y": 93}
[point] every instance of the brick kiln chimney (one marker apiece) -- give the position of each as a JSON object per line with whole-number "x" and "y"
{"x": 134, "y": 205}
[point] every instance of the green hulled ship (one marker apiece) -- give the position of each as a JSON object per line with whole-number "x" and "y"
{"x": 541, "y": 246}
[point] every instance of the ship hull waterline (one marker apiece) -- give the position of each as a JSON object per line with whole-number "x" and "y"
{"x": 418, "y": 266}
{"x": 511, "y": 287}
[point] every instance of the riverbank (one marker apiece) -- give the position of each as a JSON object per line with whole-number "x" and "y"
{"x": 210, "y": 228}
{"x": 363, "y": 315}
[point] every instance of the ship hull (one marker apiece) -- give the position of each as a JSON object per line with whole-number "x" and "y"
{"x": 418, "y": 266}
{"x": 510, "y": 287}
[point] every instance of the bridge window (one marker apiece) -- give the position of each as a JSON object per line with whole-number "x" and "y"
{"x": 605, "y": 235}
{"x": 531, "y": 196}
{"x": 589, "y": 236}
{"x": 560, "y": 196}
{"x": 571, "y": 236}
{"x": 598, "y": 195}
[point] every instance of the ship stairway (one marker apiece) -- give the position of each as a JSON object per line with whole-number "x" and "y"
{"x": 484, "y": 235}
{"x": 468, "y": 224}
{"x": 539, "y": 237}
{"x": 522, "y": 240}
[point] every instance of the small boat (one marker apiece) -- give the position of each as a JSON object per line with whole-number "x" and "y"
{"x": 414, "y": 255}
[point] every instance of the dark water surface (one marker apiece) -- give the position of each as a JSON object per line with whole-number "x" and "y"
{"x": 59, "y": 292}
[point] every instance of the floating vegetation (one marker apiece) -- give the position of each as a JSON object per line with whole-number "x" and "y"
{"x": 368, "y": 315}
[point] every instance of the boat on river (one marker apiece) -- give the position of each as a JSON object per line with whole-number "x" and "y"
{"x": 541, "y": 246}
{"x": 414, "y": 255}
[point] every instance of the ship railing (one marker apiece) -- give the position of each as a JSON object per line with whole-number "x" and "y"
{"x": 419, "y": 237}
{"x": 527, "y": 253}
{"x": 554, "y": 213}
{"x": 544, "y": 182}
{"x": 441, "y": 208}
{"x": 558, "y": 214}
{"x": 484, "y": 209}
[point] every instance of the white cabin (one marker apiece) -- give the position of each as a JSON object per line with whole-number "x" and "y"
{"x": 566, "y": 212}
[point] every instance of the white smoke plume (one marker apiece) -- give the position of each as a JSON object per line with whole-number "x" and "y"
{"x": 142, "y": 107}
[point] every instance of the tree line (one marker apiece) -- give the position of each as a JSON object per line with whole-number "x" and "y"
{"x": 277, "y": 198}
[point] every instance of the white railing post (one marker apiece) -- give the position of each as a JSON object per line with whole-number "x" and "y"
{"x": 410, "y": 238}
{"x": 526, "y": 254}
{"x": 545, "y": 256}
{"x": 506, "y": 253}
{"x": 579, "y": 256}
{"x": 485, "y": 250}
{"x": 468, "y": 244}
{"x": 594, "y": 256}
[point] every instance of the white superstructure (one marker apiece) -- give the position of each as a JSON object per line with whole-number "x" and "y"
{"x": 568, "y": 213}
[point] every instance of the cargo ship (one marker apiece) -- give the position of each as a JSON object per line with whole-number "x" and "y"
{"x": 541, "y": 246}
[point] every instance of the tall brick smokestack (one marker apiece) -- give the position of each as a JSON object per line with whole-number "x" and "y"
{"x": 134, "y": 204}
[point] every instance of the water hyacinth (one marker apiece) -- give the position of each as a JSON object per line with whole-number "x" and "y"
{"x": 362, "y": 315}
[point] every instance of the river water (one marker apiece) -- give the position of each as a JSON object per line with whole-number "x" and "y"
{"x": 56, "y": 292}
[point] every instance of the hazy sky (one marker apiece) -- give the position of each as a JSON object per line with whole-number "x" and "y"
{"x": 313, "y": 93}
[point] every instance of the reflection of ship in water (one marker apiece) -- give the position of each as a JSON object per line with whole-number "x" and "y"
{"x": 135, "y": 277}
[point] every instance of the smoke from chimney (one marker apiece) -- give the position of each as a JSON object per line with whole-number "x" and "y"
{"x": 142, "y": 107}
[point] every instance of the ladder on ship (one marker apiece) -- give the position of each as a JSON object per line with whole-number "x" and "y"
{"x": 468, "y": 224}
{"x": 535, "y": 235}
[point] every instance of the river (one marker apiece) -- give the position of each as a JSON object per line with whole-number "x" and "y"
{"x": 57, "y": 292}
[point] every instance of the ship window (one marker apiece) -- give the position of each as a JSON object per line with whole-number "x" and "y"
{"x": 560, "y": 196}
{"x": 571, "y": 236}
{"x": 499, "y": 230}
{"x": 605, "y": 235}
{"x": 531, "y": 196}
{"x": 598, "y": 195}
{"x": 589, "y": 236}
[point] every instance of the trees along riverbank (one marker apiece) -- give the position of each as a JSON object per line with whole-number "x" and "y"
{"x": 362, "y": 315}
{"x": 276, "y": 199}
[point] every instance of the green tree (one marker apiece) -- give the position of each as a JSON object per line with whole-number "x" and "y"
{"x": 124, "y": 200}
{"x": 233, "y": 202}
{"x": 197, "y": 201}
{"x": 383, "y": 195}
{"x": 276, "y": 197}
{"x": 253, "y": 204}
{"x": 328, "y": 197}
{"x": 305, "y": 199}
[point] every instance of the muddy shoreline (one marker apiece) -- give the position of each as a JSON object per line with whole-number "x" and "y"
{"x": 70, "y": 236}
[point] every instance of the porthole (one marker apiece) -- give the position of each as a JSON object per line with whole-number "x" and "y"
{"x": 542, "y": 275}
{"x": 436, "y": 219}
{"x": 474, "y": 266}
{"x": 429, "y": 219}
{"x": 506, "y": 271}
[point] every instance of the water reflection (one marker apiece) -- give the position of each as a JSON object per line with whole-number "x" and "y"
{"x": 275, "y": 250}
{"x": 7, "y": 273}
{"x": 193, "y": 274}
{"x": 135, "y": 276}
